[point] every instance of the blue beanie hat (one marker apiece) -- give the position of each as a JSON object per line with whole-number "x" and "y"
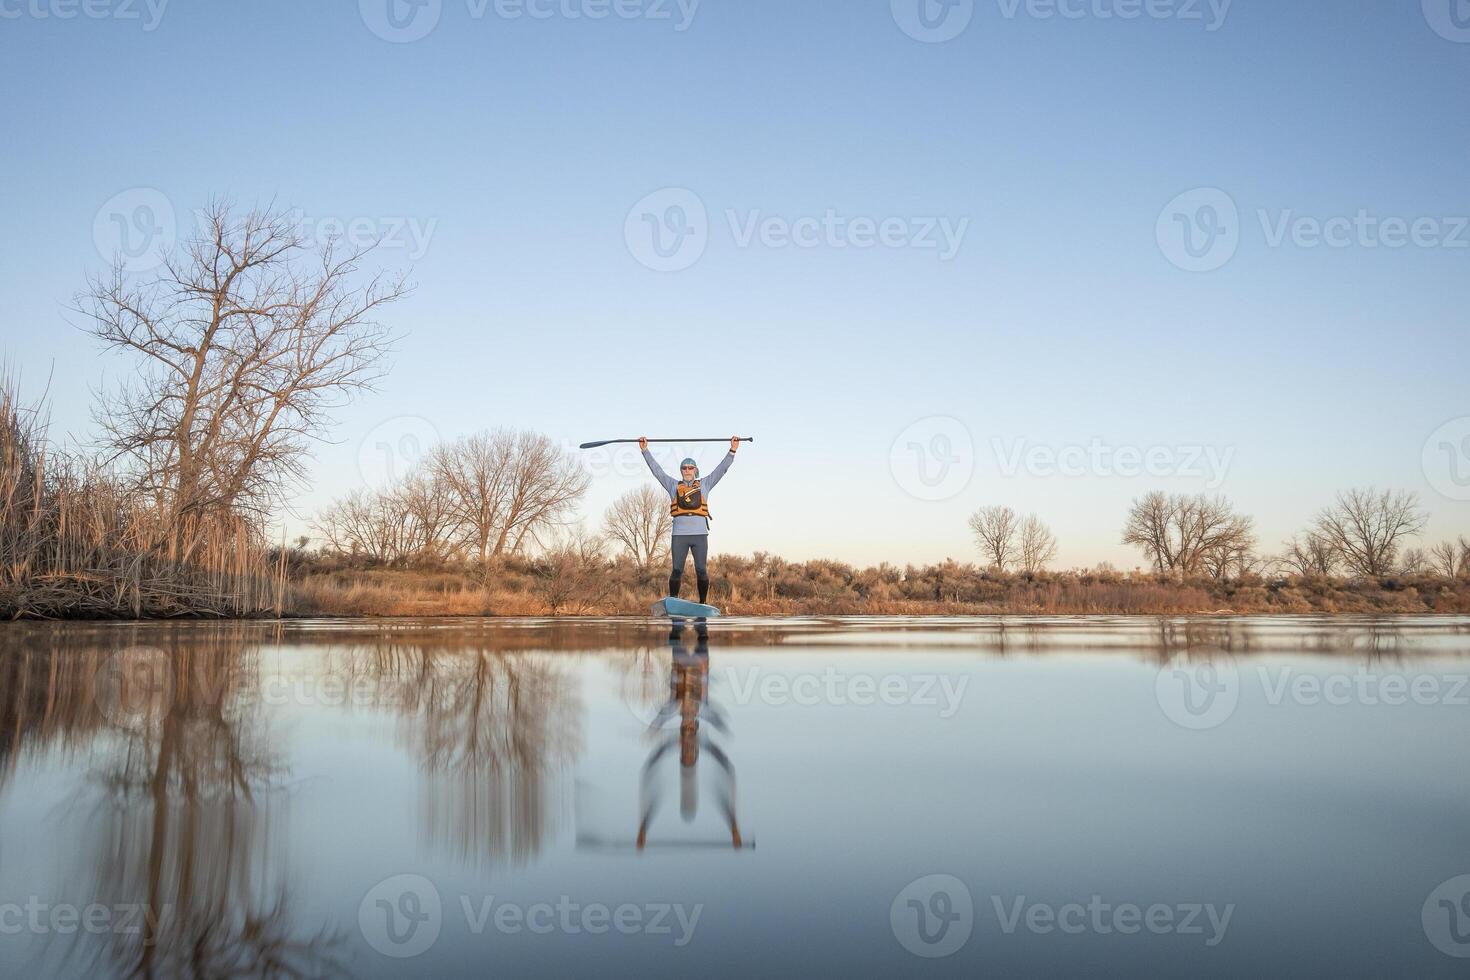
{"x": 689, "y": 461}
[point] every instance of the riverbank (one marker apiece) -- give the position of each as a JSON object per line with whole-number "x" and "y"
{"x": 744, "y": 586}
{"x": 763, "y": 586}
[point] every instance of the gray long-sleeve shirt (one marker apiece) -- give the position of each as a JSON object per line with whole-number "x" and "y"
{"x": 689, "y": 525}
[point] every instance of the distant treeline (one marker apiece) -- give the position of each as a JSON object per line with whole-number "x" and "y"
{"x": 482, "y": 527}
{"x": 577, "y": 578}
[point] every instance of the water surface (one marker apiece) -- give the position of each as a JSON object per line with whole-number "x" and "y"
{"x": 864, "y": 797}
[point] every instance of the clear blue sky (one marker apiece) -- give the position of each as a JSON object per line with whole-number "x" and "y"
{"x": 524, "y": 144}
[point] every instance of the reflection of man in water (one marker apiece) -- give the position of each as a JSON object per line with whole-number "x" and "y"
{"x": 689, "y": 702}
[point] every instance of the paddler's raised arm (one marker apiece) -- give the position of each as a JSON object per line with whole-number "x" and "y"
{"x": 669, "y": 483}
{"x": 719, "y": 471}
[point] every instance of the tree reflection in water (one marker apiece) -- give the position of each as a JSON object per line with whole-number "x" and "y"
{"x": 187, "y": 803}
{"x": 495, "y": 729}
{"x": 185, "y": 809}
{"x": 176, "y": 818}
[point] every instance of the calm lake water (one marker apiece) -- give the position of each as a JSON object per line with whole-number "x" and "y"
{"x": 854, "y": 797}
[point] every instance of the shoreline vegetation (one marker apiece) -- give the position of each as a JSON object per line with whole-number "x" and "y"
{"x": 237, "y": 352}
{"x": 765, "y": 586}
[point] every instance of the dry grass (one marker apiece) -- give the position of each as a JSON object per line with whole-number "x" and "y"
{"x": 763, "y": 586}
{"x": 74, "y": 544}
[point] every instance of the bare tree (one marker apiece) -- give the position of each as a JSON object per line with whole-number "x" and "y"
{"x": 1451, "y": 559}
{"x": 505, "y": 487}
{"x": 362, "y": 523}
{"x": 402, "y": 523}
{"x": 572, "y": 573}
{"x": 1367, "y": 527}
{"x": 1189, "y": 535}
{"x": 426, "y": 506}
{"x": 1150, "y": 522}
{"x": 1231, "y": 559}
{"x": 545, "y": 485}
{"x": 1038, "y": 545}
{"x": 1414, "y": 562}
{"x": 1311, "y": 556}
{"x": 244, "y": 345}
{"x": 995, "y": 531}
{"x": 474, "y": 472}
{"x": 640, "y": 522}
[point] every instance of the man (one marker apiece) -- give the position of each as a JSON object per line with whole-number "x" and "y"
{"x": 689, "y": 503}
{"x": 689, "y": 701}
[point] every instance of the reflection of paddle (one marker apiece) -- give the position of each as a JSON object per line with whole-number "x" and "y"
{"x": 620, "y": 442}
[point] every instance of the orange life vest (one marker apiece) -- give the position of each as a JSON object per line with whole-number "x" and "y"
{"x": 689, "y": 501}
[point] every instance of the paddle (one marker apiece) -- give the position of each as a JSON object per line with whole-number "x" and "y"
{"x": 620, "y": 442}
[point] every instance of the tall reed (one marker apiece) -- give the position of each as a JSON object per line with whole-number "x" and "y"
{"x": 76, "y": 542}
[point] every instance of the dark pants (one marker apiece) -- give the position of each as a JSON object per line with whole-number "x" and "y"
{"x": 684, "y": 546}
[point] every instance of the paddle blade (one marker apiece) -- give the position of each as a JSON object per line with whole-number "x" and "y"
{"x": 596, "y": 445}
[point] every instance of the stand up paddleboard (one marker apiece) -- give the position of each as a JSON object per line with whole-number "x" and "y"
{"x": 683, "y": 609}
